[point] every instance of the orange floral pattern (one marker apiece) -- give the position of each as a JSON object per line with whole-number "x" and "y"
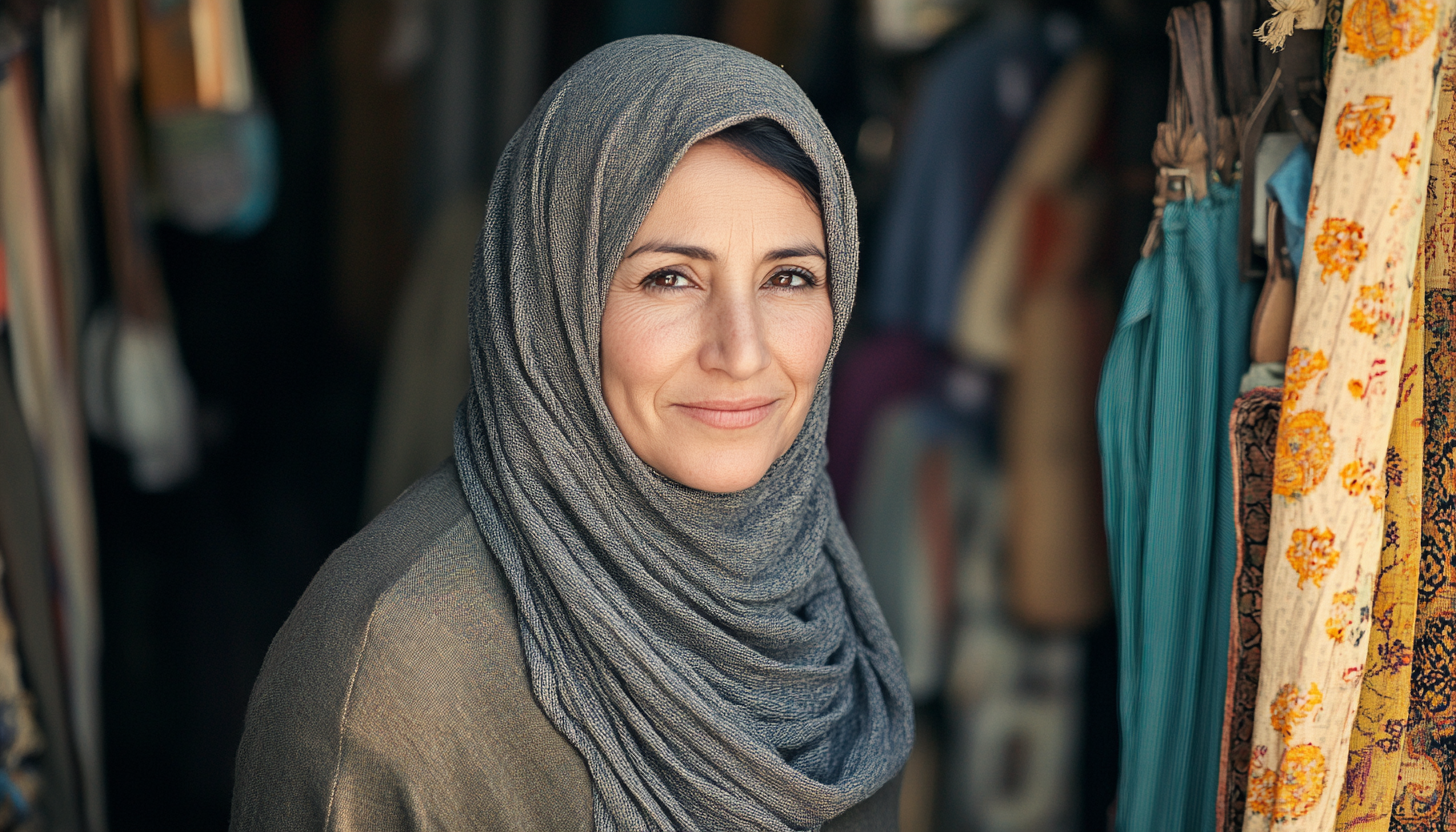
{"x": 1410, "y": 157}
{"x": 1351, "y": 304}
{"x": 1382, "y": 29}
{"x": 1293, "y": 789}
{"x": 1360, "y": 127}
{"x": 1290, "y": 707}
{"x": 1361, "y": 478}
{"x": 1303, "y": 454}
{"x": 1372, "y": 384}
{"x": 1342, "y": 607}
{"x": 1374, "y": 312}
{"x": 1312, "y": 553}
{"x": 1339, "y": 246}
{"x": 1302, "y": 367}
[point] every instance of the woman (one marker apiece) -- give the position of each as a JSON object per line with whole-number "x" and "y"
{"x": 628, "y": 602}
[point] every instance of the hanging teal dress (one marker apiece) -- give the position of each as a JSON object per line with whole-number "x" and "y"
{"x": 1168, "y": 385}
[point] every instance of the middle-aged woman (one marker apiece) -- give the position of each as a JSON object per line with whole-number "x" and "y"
{"x": 628, "y": 602}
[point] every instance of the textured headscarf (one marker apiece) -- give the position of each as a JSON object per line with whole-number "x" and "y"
{"x": 718, "y": 660}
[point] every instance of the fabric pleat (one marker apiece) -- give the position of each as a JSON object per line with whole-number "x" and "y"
{"x": 1341, "y": 386}
{"x": 718, "y": 660}
{"x": 1168, "y": 385}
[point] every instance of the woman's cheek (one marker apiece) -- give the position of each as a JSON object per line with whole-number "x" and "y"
{"x": 800, "y": 334}
{"x": 644, "y": 339}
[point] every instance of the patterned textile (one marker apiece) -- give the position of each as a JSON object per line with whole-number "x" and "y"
{"x": 1169, "y": 383}
{"x": 1334, "y": 12}
{"x": 1428, "y": 745}
{"x": 1327, "y": 519}
{"x": 1371, "y": 776}
{"x": 20, "y": 739}
{"x": 1427, "y": 799}
{"x": 1253, "y": 427}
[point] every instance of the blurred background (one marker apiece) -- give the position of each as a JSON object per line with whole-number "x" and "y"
{"x": 237, "y": 237}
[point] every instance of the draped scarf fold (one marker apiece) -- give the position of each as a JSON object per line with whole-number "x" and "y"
{"x": 718, "y": 660}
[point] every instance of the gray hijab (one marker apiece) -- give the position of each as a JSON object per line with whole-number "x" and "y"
{"x": 718, "y": 660}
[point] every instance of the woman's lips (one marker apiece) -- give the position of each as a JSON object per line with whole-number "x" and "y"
{"x": 739, "y": 413}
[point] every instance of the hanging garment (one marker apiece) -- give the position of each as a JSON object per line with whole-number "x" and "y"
{"x": 63, "y": 27}
{"x": 1252, "y": 429}
{"x": 1289, "y": 186}
{"x": 1327, "y": 522}
{"x": 138, "y": 394}
{"x": 976, "y": 99}
{"x": 49, "y": 402}
{"x": 27, "y": 579}
{"x": 1172, "y": 371}
{"x": 1426, "y": 799}
{"x": 931, "y": 531}
{"x": 1168, "y": 385}
{"x": 1051, "y": 152}
{"x": 1272, "y": 152}
{"x": 909, "y": 557}
{"x": 212, "y": 142}
{"x": 1334, "y": 13}
{"x": 1372, "y": 776}
{"x": 1427, "y": 739}
{"x": 874, "y": 375}
{"x": 1014, "y": 697}
{"x": 1056, "y": 546}
{"x": 20, "y": 737}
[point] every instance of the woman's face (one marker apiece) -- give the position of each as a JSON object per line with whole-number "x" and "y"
{"x": 718, "y": 321}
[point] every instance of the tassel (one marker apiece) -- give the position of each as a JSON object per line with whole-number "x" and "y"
{"x": 1289, "y": 15}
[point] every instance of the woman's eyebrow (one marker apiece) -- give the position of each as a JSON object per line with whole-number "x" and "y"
{"x": 693, "y": 252}
{"x": 801, "y": 250}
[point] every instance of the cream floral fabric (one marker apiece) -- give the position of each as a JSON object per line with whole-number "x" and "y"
{"x": 1341, "y": 385}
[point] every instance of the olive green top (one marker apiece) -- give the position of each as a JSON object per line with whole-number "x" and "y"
{"x": 396, "y": 697}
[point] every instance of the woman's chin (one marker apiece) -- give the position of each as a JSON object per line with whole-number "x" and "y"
{"x": 719, "y": 473}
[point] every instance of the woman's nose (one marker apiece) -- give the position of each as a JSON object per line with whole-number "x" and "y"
{"x": 734, "y": 340}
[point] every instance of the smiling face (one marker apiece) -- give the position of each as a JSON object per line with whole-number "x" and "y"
{"x": 718, "y": 322}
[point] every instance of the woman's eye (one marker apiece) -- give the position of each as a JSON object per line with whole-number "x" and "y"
{"x": 792, "y": 279}
{"x": 666, "y": 280}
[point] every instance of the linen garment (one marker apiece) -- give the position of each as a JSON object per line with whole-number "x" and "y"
{"x": 716, "y": 661}
{"x": 396, "y": 696}
{"x": 1340, "y": 391}
{"x": 1168, "y": 385}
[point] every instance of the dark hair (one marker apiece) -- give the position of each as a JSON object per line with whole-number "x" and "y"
{"x": 766, "y": 141}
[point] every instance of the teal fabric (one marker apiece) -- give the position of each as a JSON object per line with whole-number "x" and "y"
{"x": 1290, "y": 185}
{"x": 1168, "y": 385}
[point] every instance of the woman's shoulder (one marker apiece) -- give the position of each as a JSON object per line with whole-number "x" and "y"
{"x": 399, "y": 681}
{"x": 421, "y": 565}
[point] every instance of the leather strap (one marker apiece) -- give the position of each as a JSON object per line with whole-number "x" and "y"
{"x": 1197, "y": 72}
{"x": 1253, "y": 132}
{"x": 1303, "y": 83}
{"x": 1239, "y": 88}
